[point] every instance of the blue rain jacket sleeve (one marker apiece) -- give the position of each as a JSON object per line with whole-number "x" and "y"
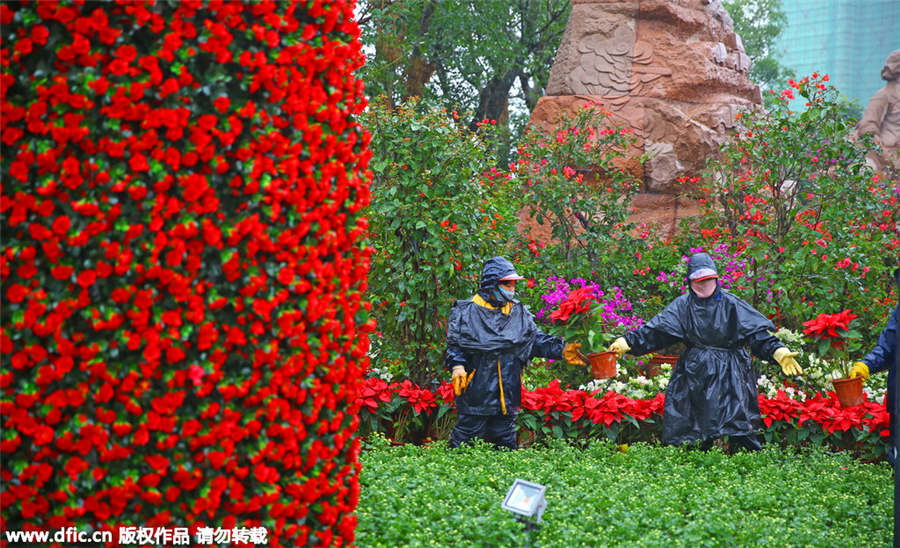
{"x": 547, "y": 346}
{"x": 661, "y": 331}
{"x": 884, "y": 354}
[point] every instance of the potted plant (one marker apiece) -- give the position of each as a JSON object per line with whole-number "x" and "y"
{"x": 653, "y": 363}
{"x": 580, "y": 318}
{"x": 835, "y": 337}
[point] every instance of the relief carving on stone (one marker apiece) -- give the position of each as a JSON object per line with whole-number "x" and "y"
{"x": 611, "y": 63}
{"x": 673, "y": 71}
{"x": 604, "y": 64}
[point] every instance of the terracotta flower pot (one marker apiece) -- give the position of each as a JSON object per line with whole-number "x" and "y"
{"x": 652, "y": 367}
{"x": 603, "y": 364}
{"x": 849, "y": 391}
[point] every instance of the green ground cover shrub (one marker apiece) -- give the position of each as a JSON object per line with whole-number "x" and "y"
{"x": 601, "y": 496}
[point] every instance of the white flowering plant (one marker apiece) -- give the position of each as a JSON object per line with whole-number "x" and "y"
{"x": 817, "y": 373}
{"x": 633, "y": 386}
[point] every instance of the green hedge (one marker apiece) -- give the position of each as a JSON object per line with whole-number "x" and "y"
{"x": 601, "y": 496}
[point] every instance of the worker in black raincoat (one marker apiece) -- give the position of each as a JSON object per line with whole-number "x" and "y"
{"x": 884, "y": 356}
{"x": 490, "y": 338}
{"x": 712, "y": 392}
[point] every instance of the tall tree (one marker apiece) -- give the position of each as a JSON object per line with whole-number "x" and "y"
{"x": 488, "y": 58}
{"x": 760, "y": 23}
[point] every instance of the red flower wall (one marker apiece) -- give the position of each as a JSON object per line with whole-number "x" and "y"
{"x": 183, "y": 330}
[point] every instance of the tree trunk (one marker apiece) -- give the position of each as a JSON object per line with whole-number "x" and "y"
{"x": 418, "y": 72}
{"x": 493, "y": 101}
{"x": 418, "y": 69}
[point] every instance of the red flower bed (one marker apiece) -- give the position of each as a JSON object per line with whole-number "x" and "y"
{"x": 826, "y": 412}
{"x": 578, "y": 414}
{"x": 183, "y": 330}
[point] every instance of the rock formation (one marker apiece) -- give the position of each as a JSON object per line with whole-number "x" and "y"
{"x": 673, "y": 70}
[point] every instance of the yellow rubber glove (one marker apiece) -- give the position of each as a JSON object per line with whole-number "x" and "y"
{"x": 859, "y": 369}
{"x": 459, "y": 379}
{"x": 570, "y": 354}
{"x": 619, "y": 346}
{"x": 785, "y": 359}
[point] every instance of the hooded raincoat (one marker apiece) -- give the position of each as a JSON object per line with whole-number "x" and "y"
{"x": 712, "y": 391}
{"x": 495, "y": 338}
{"x": 884, "y": 355}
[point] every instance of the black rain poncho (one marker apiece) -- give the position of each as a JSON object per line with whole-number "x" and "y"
{"x": 495, "y": 344}
{"x": 712, "y": 391}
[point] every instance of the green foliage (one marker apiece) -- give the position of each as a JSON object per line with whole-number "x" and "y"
{"x": 487, "y": 57}
{"x": 573, "y": 181}
{"x": 438, "y": 211}
{"x": 603, "y": 495}
{"x": 760, "y": 23}
{"x": 793, "y": 191}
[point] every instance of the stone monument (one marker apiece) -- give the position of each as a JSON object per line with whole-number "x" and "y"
{"x": 672, "y": 70}
{"x": 882, "y": 117}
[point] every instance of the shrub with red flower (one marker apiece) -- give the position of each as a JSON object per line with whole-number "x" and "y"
{"x": 552, "y": 411}
{"x": 183, "y": 330}
{"x": 830, "y": 327}
{"x": 833, "y": 332}
{"x": 587, "y": 314}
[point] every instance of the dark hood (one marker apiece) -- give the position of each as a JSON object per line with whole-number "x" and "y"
{"x": 698, "y": 261}
{"x": 494, "y": 269}
{"x": 701, "y": 261}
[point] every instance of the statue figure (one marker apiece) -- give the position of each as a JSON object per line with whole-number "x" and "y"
{"x": 882, "y": 117}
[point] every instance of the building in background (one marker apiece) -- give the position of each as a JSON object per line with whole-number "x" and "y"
{"x": 847, "y": 39}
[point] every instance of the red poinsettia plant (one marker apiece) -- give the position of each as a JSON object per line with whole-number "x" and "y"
{"x": 580, "y": 318}
{"x": 835, "y": 337}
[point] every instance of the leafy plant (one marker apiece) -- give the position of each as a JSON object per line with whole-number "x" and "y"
{"x": 586, "y": 314}
{"x": 603, "y": 494}
{"x": 406, "y": 412}
{"x": 573, "y": 180}
{"x": 490, "y": 58}
{"x": 439, "y": 209}
{"x": 579, "y": 319}
{"x": 760, "y": 23}
{"x": 791, "y": 191}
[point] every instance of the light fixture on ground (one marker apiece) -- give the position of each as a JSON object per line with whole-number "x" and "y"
{"x": 526, "y": 500}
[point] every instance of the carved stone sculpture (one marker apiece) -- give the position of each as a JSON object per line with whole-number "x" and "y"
{"x": 672, "y": 70}
{"x": 882, "y": 116}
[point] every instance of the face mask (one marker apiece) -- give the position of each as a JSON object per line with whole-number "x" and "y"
{"x": 507, "y": 295}
{"x": 704, "y": 289}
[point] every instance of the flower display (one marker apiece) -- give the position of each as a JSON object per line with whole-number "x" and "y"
{"x": 581, "y": 312}
{"x": 830, "y": 327}
{"x": 184, "y": 329}
{"x": 585, "y": 414}
{"x": 834, "y": 334}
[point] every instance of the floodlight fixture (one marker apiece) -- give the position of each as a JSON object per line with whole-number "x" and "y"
{"x": 526, "y": 500}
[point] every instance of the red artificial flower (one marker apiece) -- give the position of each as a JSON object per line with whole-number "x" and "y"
{"x": 576, "y": 302}
{"x": 827, "y": 326}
